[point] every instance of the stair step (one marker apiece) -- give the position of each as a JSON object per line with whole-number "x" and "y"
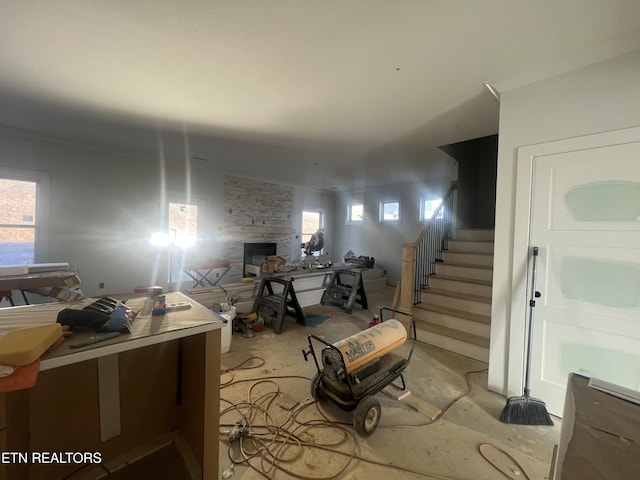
{"x": 472, "y": 234}
{"x": 460, "y": 301}
{"x": 456, "y": 319}
{"x": 453, "y": 278}
{"x": 471, "y": 246}
{"x": 474, "y": 272}
{"x": 461, "y": 285}
{"x": 452, "y": 333}
{"x": 468, "y": 258}
{"x": 453, "y": 312}
{"x": 464, "y": 344}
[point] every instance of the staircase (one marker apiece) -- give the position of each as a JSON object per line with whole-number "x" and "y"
{"x": 455, "y": 309}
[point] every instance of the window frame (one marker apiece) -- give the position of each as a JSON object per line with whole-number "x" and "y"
{"x": 174, "y": 233}
{"x": 423, "y": 210}
{"x": 381, "y": 208}
{"x": 183, "y": 250}
{"x": 350, "y": 219}
{"x": 303, "y": 241}
{"x": 42, "y": 221}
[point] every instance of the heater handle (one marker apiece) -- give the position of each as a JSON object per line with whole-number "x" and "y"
{"x": 305, "y": 354}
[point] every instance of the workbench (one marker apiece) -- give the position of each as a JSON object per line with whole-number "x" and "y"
{"x": 160, "y": 383}
{"x": 57, "y": 281}
{"x": 309, "y": 286}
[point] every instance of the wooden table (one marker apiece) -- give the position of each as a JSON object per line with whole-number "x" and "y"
{"x": 158, "y": 384}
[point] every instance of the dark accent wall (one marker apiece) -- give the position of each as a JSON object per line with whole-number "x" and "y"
{"x": 477, "y": 170}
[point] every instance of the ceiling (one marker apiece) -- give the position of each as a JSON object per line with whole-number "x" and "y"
{"x": 325, "y": 95}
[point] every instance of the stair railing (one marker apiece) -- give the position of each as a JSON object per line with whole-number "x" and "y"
{"x": 419, "y": 258}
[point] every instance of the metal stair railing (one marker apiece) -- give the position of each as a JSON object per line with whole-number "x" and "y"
{"x": 426, "y": 251}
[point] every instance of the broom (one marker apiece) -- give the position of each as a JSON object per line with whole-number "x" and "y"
{"x": 526, "y": 410}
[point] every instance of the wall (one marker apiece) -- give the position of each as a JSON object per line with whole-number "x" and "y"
{"x": 382, "y": 240}
{"x": 598, "y": 98}
{"x": 103, "y": 207}
{"x": 477, "y": 163}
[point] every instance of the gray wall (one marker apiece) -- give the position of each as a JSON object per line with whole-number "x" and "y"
{"x": 380, "y": 240}
{"x": 103, "y": 207}
{"x": 601, "y": 97}
{"x": 477, "y": 163}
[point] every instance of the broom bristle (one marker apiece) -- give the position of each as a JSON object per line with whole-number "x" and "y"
{"x": 525, "y": 410}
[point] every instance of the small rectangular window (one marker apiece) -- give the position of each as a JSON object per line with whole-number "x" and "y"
{"x": 355, "y": 213}
{"x": 389, "y": 211}
{"x": 429, "y": 207}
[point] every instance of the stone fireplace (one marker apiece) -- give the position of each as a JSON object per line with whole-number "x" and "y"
{"x": 256, "y": 214}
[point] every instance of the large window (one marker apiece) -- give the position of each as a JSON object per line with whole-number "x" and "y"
{"x": 18, "y": 202}
{"x": 183, "y": 222}
{"x": 311, "y": 223}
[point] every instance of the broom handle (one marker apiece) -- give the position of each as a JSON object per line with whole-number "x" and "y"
{"x": 532, "y": 304}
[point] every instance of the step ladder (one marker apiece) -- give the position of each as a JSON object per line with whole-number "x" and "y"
{"x": 345, "y": 289}
{"x": 276, "y": 304}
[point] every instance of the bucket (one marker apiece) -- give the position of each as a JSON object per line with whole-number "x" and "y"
{"x": 227, "y": 329}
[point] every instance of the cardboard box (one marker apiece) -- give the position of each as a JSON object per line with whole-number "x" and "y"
{"x": 600, "y": 437}
{"x": 66, "y": 294}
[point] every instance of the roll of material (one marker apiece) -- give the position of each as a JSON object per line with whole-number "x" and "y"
{"x": 365, "y": 346}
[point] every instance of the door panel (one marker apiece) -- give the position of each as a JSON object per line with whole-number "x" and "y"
{"x": 585, "y": 219}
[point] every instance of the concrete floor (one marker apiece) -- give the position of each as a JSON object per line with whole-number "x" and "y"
{"x": 407, "y": 444}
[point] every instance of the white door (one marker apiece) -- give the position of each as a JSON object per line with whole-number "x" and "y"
{"x": 585, "y": 219}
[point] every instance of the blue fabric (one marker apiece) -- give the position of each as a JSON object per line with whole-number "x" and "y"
{"x": 118, "y": 322}
{"x": 313, "y": 320}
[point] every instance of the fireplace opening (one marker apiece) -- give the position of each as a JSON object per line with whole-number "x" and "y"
{"x": 255, "y": 253}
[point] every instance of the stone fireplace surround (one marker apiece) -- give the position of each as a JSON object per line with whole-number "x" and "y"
{"x": 255, "y": 212}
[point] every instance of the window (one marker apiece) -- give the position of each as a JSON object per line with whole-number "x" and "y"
{"x": 183, "y": 223}
{"x": 181, "y": 235}
{"x": 389, "y": 211}
{"x": 428, "y": 208}
{"x": 355, "y": 213}
{"x": 311, "y": 223}
{"x": 18, "y": 222}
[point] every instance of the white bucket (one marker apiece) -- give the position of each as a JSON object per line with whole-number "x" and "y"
{"x": 227, "y": 329}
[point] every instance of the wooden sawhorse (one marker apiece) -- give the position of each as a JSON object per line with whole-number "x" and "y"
{"x": 277, "y": 304}
{"x": 346, "y": 288}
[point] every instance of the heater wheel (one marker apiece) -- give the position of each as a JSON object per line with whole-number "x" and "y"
{"x": 316, "y": 392}
{"x": 367, "y": 415}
